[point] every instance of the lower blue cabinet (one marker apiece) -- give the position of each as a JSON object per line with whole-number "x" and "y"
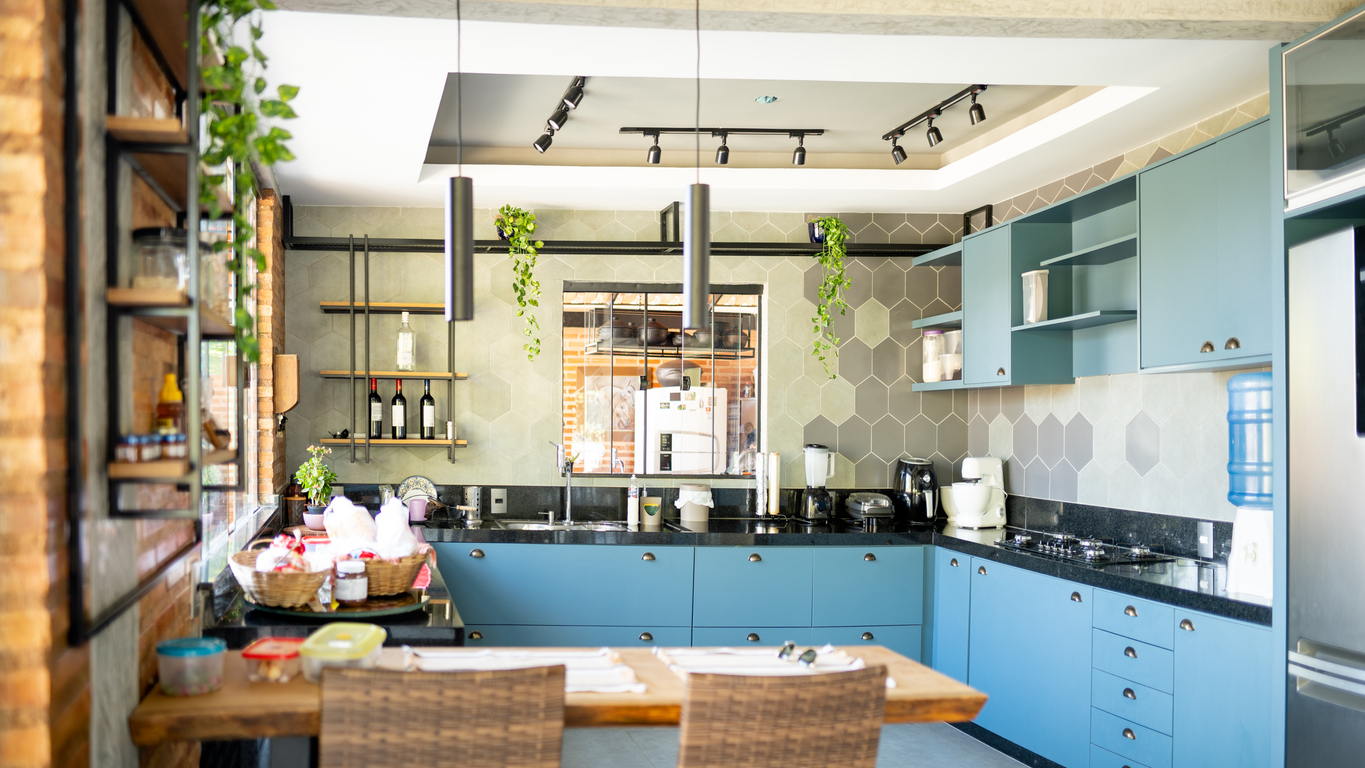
{"x": 1126, "y": 738}
{"x": 952, "y": 613}
{"x": 1103, "y": 758}
{"x": 1131, "y": 701}
{"x": 492, "y": 635}
{"x": 744, "y": 636}
{"x": 905, "y": 640}
{"x": 1223, "y": 675}
{"x": 753, "y": 586}
{"x": 834, "y": 604}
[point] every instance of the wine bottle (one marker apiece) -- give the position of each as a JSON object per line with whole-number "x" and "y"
{"x": 428, "y": 412}
{"x": 376, "y": 411}
{"x": 407, "y": 345}
{"x": 400, "y": 413}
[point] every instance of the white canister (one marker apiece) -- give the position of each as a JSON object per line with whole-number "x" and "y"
{"x": 694, "y": 503}
{"x": 1035, "y": 296}
{"x": 931, "y": 347}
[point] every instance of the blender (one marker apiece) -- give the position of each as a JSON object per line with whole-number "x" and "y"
{"x": 816, "y": 503}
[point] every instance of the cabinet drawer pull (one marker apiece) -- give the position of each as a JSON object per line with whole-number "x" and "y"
{"x": 752, "y": 637}
{"x": 1128, "y": 734}
{"x": 476, "y": 553}
{"x": 999, "y": 371}
{"x": 981, "y": 569}
{"x": 1128, "y": 693}
{"x": 755, "y": 558}
{"x": 645, "y": 636}
{"x": 1207, "y": 348}
{"x": 1076, "y": 597}
{"x": 647, "y": 556}
{"x": 1232, "y": 343}
{"x": 953, "y": 562}
{"x": 867, "y": 635}
{"x": 1187, "y": 625}
{"x": 869, "y": 557}
{"x": 476, "y": 635}
{"x": 1130, "y": 611}
{"x": 1130, "y": 652}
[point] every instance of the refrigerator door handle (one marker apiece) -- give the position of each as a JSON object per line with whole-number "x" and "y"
{"x": 1326, "y": 674}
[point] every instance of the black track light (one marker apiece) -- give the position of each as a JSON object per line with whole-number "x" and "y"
{"x": 934, "y": 135}
{"x": 574, "y": 95}
{"x": 799, "y": 155}
{"x": 543, "y": 143}
{"x": 722, "y": 152}
{"x": 1335, "y": 147}
{"x": 558, "y": 119}
{"x": 976, "y": 112}
{"x": 897, "y": 152}
{"x": 654, "y": 152}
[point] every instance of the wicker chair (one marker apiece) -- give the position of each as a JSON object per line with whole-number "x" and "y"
{"x": 735, "y": 721}
{"x": 385, "y": 719}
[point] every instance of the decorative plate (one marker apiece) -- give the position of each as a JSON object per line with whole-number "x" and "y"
{"x": 414, "y": 486}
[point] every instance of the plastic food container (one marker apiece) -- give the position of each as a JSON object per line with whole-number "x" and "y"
{"x": 190, "y": 666}
{"x": 272, "y": 659}
{"x": 341, "y": 644}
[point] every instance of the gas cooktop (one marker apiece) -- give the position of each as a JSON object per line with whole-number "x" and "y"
{"x": 1079, "y": 549}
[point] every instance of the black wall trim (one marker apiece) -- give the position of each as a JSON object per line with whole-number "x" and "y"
{"x": 627, "y": 247}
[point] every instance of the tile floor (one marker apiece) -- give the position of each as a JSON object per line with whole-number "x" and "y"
{"x": 902, "y": 746}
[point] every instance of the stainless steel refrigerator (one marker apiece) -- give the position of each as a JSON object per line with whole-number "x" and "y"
{"x": 1325, "y": 708}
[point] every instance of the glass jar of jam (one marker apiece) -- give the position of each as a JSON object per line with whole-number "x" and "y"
{"x": 351, "y": 586}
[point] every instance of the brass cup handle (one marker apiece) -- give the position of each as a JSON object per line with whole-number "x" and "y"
{"x": 752, "y": 637}
{"x": 1187, "y": 625}
{"x": 1130, "y": 611}
{"x": 1232, "y": 343}
{"x": 869, "y": 557}
{"x": 476, "y": 553}
{"x": 1128, "y": 734}
{"x": 647, "y": 556}
{"x": 1076, "y": 597}
{"x": 953, "y": 562}
{"x": 1206, "y": 348}
{"x": 476, "y": 635}
{"x": 1130, "y": 652}
{"x": 867, "y": 635}
{"x": 755, "y": 558}
{"x": 1128, "y": 693}
{"x": 645, "y": 636}
{"x": 981, "y": 569}
{"x": 999, "y": 371}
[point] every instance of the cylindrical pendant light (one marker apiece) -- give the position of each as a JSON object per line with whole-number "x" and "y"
{"x": 460, "y": 249}
{"x": 697, "y": 258}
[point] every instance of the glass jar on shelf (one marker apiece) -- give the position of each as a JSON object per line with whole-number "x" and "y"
{"x": 159, "y": 261}
{"x": 932, "y": 349}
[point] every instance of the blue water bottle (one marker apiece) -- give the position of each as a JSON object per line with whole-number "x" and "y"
{"x": 1250, "y": 459}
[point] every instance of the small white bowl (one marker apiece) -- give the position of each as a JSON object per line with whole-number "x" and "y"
{"x": 971, "y": 498}
{"x": 949, "y": 503}
{"x": 314, "y": 521}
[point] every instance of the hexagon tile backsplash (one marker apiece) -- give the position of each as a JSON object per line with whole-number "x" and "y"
{"x": 509, "y": 408}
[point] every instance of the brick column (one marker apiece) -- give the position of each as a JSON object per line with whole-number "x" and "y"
{"x": 270, "y": 328}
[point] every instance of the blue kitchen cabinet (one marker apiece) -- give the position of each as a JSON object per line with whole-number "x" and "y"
{"x": 952, "y": 613}
{"x": 1223, "y": 676}
{"x": 867, "y": 586}
{"x": 1244, "y": 216}
{"x": 905, "y": 640}
{"x": 570, "y": 584}
{"x": 754, "y": 635}
{"x": 1030, "y": 654}
{"x": 491, "y": 635}
{"x": 986, "y": 308}
{"x": 752, "y": 587}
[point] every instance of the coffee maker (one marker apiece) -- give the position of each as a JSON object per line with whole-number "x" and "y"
{"x": 816, "y": 503}
{"x": 915, "y": 492}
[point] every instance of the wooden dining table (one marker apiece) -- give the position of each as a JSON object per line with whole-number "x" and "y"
{"x": 245, "y": 710}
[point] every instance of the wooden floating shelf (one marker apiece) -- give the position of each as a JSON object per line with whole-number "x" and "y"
{"x": 948, "y": 256}
{"x": 165, "y": 173}
{"x": 388, "y": 441}
{"x": 165, "y": 22}
{"x": 383, "y": 308}
{"x": 949, "y": 320}
{"x": 147, "y": 130}
{"x": 390, "y": 375}
{"x": 165, "y": 469}
{"x": 937, "y": 386}
{"x": 1117, "y": 249}
{"x": 147, "y": 298}
{"x": 1077, "y": 322}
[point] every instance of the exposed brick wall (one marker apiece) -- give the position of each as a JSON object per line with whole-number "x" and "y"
{"x": 270, "y": 328}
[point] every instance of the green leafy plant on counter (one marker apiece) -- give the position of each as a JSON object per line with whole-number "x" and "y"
{"x": 831, "y": 293}
{"x": 234, "y": 105}
{"x": 315, "y": 477}
{"x": 517, "y": 225}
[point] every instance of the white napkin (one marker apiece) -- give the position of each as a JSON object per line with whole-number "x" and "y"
{"x": 600, "y": 671}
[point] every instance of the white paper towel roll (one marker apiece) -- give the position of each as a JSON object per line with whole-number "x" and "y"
{"x": 774, "y": 484}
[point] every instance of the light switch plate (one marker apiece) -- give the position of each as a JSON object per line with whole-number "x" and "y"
{"x": 499, "y": 501}
{"x": 1205, "y": 530}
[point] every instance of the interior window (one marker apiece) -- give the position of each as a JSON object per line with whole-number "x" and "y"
{"x": 642, "y": 396}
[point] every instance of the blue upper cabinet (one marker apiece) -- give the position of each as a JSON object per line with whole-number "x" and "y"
{"x": 835, "y": 605}
{"x": 1223, "y": 672}
{"x": 986, "y": 308}
{"x": 952, "y": 612}
{"x": 1204, "y": 254}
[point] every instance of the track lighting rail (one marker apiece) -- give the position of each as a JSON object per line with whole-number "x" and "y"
{"x": 793, "y": 133}
{"x": 934, "y": 112}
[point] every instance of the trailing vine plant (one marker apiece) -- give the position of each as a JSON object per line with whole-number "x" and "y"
{"x": 234, "y": 104}
{"x": 517, "y": 225}
{"x": 831, "y": 293}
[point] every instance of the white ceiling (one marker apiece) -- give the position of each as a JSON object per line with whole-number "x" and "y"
{"x": 371, "y": 86}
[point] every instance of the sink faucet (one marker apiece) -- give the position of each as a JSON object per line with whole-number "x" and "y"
{"x": 564, "y": 463}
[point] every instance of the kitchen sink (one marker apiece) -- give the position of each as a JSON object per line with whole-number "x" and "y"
{"x": 535, "y": 525}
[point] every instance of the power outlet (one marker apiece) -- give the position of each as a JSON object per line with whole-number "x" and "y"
{"x": 498, "y": 504}
{"x": 1205, "y": 531}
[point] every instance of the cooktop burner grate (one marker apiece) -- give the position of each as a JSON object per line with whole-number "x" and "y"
{"x": 1085, "y": 550}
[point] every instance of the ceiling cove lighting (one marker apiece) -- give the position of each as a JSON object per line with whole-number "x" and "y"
{"x": 723, "y": 151}
{"x": 976, "y": 113}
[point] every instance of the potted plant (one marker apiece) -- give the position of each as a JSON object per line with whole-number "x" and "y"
{"x": 316, "y": 479}
{"x": 832, "y": 236}
{"x": 516, "y": 225}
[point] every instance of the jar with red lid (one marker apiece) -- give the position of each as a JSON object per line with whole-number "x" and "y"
{"x": 272, "y": 659}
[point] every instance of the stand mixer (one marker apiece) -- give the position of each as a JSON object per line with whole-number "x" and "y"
{"x": 816, "y": 503}
{"x": 980, "y": 504}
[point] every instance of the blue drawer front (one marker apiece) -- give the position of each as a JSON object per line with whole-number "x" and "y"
{"x": 904, "y": 640}
{"x": 493, "y": 635}
{"x": 527, "y": 583}
{"x": 1131, "y": 701}
{"x": 754, "y": 586}
{"x": 1103, "y": 758}
{"x": 740, "y": 636}
{"x": 1139, "y": 619}
{"x": 840, "y": 572}
{"x": 1131, "y": 660}
{"x": 1145, "y": 745}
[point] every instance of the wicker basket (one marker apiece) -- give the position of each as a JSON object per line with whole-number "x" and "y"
{"x": 281, "y": 589}
{"x": 392, "y": 578}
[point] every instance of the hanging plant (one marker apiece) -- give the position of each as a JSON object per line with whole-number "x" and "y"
{"x": 831, "y": 257}
{"x": 234, "y": 105}
{"x": 516, "y": 225}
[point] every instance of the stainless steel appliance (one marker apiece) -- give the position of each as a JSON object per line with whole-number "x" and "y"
{"x": 1324, "y": 103}
{"x": 816, "y": 503}
{"x": 1325, "y": 702}
{"x": 868, "y": 505}
{"x": 1082, "y": 550}
{"x": 915, "y": 491}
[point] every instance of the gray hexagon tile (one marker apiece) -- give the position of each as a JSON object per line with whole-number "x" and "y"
{"x": 1012, "y": 403}
{"x": 988, "y": 401}
{"x": 888, "y": 362}
{"x": 860, "y": 284}
{"x": 904, "y": 400}
{"x": 1063, "y": 482}
{"x": 888, "y": 439}
{"x": 1001, "y": 437}
{"x": 1025, "y": 440}
{"x": 1037, "y": 479}
{"x": 1080, "y": 441}
{"x": 870, "y": 472}
{"x": 978, "y": 437}
{"x": 871, "y": 400}
{"x": 937, "y": 405}
{"x": 1142, "y": 443}
{"x": 855, "y": 439}
{"x": 1051, "y": 436}
{"x": 952, "y": 438}
{"x": 921, "y": 437}
{"x": 921, "y": 286}
{"x": 902, "y": 321}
